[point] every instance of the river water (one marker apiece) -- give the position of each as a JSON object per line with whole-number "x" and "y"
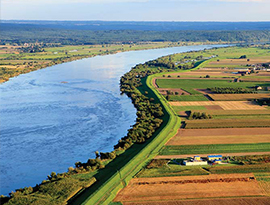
{"x": 53, "y": 117}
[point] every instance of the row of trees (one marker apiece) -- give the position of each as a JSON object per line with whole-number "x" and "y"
{"x": 166, "y": 62}
{"x": 229, "y": 90}
{"x": 149, "y": 116}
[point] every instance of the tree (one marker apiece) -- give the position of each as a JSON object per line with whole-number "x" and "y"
{"x": 243, "y": 57}
{"x": 97, "y": 154}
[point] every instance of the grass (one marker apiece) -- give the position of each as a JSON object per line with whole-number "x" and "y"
{"x": 215, "y": 148}
{"x": 264, "y": 180}
{"x": 173, "y": 170}
{"x": 117, "y": 173}
{"x": 191, "y": 84}
{"x": 57, "y": 192}
{"x": 226, "y": 123}
{"x": 256, "y": 168}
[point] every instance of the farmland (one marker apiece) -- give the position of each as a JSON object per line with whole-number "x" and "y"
{"x": 226, "y": 123}
{"x": 176, "y": 188}
{"x": 213, "y": 201}
{"x": 233, "y": 125}
{"x": 240, "y": 97}
{"x": 215, "y": 148}
{"x": 220, "y": 136}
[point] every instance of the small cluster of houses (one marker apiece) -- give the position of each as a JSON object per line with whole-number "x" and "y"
{"x": 197, "y": 160}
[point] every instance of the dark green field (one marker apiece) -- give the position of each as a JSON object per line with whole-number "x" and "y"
{"x": 215, "y": 148}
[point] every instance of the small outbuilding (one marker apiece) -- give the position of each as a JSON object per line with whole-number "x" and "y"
{"x": 258, "y": 87}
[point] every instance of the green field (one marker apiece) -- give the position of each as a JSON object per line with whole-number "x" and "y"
{"x": 191, "y": 84}
{"x": 215, "y": 148}
{"x": 226, "y": 123}
{"x": 255, "y": 168}
{"x": 173, "y": 170}
{"x": 181, "y": 170}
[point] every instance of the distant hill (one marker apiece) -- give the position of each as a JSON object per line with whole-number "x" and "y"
{"x": 103, "y": 32}
{"x": 145, "y": 26}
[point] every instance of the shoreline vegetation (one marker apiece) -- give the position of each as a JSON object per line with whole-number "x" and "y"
{"x": 149, "y": 112}
{"x": 156, "y": 123}
{"x": 21, "y": 59}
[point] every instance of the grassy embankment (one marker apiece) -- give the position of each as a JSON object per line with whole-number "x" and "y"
{"x": 129, "y": 163}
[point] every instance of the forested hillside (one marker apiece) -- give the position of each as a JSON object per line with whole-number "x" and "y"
{"x": 14, "y": 33}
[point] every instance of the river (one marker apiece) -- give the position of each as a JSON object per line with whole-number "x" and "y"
{"x": 53, "y": 117}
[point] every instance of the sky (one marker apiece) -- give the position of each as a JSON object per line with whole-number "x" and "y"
{"x": 137, "y": 10}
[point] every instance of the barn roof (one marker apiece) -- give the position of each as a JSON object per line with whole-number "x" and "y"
{"x": 214, "y": 156}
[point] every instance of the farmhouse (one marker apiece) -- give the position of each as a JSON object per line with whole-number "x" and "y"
{"x": 196, "y": 160}
{"x": 258, "y": 87}
{"x": 243, "y": 72}
{"x": 214, "y": 157}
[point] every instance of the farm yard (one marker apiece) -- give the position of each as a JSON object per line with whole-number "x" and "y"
{"x": 222, "y": 104}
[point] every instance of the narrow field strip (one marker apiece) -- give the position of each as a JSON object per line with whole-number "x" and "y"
{"x": 240, "y": 97}
{"x": 214, "y": 201}
{"x": 231, "y": 139}
{"x": 220, "y": 136}
{"x": 215, "y": 148}
{"x": 226, "y": 123}
{"x": 225, "y": 105}
{"x": 205, "y": 155}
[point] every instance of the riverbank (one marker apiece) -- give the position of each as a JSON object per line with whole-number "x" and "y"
{"x": 15, "y": 62}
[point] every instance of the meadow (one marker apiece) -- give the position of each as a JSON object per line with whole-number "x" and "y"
{"x": 226, "y": 123}
{"x": 215, "y": 148}
{"x": 190, "y": 85}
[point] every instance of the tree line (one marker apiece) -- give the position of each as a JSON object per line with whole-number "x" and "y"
{"x": 229, "y": 90}
{"x": 20, "y": 34}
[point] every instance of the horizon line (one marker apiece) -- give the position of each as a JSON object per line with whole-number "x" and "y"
{"x": 169, "y": 21}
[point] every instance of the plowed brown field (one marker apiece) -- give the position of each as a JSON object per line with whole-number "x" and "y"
{"x": 220, "y": 136}
{"x": 190, "y": 187}
{"x": 220, "y": 201}
{"x": 225, "y": 105}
